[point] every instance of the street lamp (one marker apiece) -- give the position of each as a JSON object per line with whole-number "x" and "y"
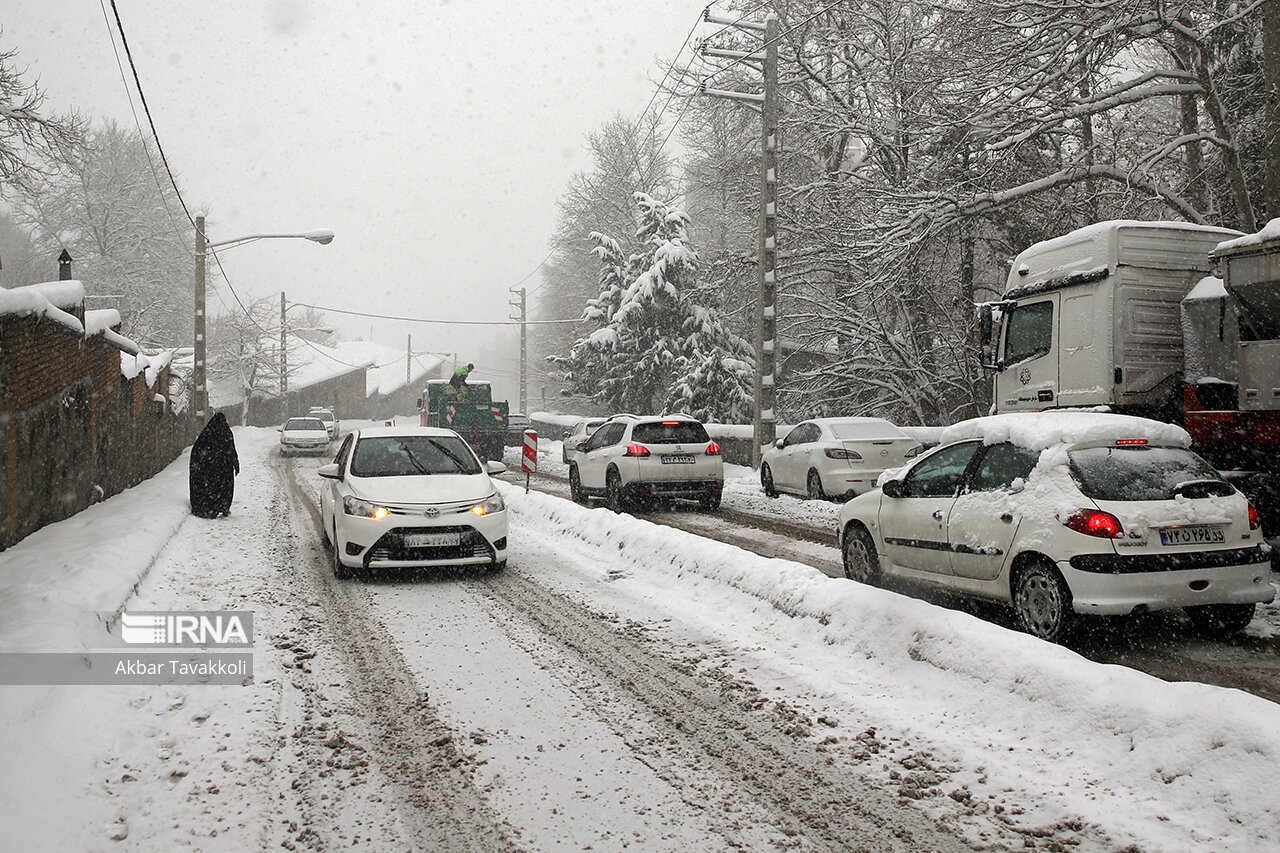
{"x": 200, "y": 392}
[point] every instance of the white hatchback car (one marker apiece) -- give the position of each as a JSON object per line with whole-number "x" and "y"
{"x": 326, "y": 415}
{"x": 635, "y": 458}
{"x": 1062, "y": 514}
{"x": 409, "y": 497}
{"x": 303, "y": 435}
{"x": 837, "y": 457}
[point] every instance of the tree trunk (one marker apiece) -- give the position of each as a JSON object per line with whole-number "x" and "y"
{"x": 1271, "y": 116}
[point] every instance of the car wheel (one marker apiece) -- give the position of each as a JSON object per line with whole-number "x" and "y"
{"x": 1220, "y": 620}
{"x": 815, "y": 487}
{"x": 613, "y": 490}
{"x": 861, "y": 562}
{"x": 766, "y": 481}
{"x": 340, "y": 572}
{"x": 711, "y": 500}
{"x": 1043, "y": 603}
{"x": 575, "y": 486}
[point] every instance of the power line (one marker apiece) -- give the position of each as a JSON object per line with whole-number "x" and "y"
{"x": 428, "y": 320}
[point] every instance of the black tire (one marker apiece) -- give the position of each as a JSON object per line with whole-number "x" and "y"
{"x": 711, "y": 500}
{"x": 766, "y": 481}
{"x": 340, "y": 572}
{"x": 814, "y": 487}
{"x": 1220, "y": 620}
{"x": 861, "y": 563}
{"x": 613, "y": 490}
{"x": 575, "y": 486}
{"x": 1042, "y": 603}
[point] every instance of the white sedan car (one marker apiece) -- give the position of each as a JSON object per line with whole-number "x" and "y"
{"x": 1062, "y": 515}
{"x": 837, "y": 457}
{"x": 410, "y": 497}
{"x": 304, "y": 435}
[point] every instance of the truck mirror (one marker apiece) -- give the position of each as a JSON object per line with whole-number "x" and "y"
{"x": 419, "y": 404}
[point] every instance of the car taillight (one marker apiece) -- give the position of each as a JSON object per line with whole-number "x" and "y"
{"x": 636, "y": 450}
{"x": 1255, "y": 520}
{"x": 713, "y": 449}
{"x": 1094, "y": 522}
{"x": 841, "y": 453}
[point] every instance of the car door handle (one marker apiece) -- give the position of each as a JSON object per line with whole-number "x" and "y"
{"x": 937, "y": 513}
{"x": 1007, "y": 517}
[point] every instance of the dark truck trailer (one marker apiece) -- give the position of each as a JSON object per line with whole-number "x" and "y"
{"x": 474, "y": 415}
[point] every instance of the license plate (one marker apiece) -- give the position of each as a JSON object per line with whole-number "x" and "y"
{"x": 1199, "y": 534}
{"x": 677, "y": 459}
{"x": 432, "y": 540}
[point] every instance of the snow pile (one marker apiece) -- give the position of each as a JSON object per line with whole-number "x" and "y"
{"x": 45, "y": 300}
{"x": 1269, "y": 232}
{"x": 1042, "y": 430}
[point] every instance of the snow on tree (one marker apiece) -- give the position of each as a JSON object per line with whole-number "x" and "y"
{"x": 28, "y": 137}
{"x": 655, "y": 348}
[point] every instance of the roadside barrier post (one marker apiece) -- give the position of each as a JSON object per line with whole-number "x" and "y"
{"x": 529, "y": 462}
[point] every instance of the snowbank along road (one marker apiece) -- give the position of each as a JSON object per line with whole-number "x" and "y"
{"x": 622, "y": 685}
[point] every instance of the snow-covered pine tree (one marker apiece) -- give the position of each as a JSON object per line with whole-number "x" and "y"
{"x": 656, "y": 349}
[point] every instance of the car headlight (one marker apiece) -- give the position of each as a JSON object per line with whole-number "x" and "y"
{"x": 363, "y": 509}
{"x": 491, "y": 504}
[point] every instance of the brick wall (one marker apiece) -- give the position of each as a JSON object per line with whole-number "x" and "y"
{"x": 73, "y": 430}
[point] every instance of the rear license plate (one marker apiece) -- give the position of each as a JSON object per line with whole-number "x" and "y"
{"x": 432, "y": 540}
{"x": 677, "y": 459}
{"x": 1199, "y": 534}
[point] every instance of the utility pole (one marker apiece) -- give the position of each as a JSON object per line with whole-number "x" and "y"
{"x": 284, "y": 357}
{"x": 524, "y": 347}
{"x": 764, "y": 422}
{"x": 199, "y": 389}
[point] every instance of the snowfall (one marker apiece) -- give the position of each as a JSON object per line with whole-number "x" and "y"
{"x": 1160, "y": 766}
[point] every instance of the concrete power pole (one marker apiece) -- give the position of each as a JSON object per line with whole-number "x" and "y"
{"x": 524, "y": 347}
{"x": 764, "y": 422}
{"x": 199, "y": 381}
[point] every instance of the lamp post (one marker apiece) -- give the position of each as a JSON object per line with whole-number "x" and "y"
{"x": 200, "y": 391}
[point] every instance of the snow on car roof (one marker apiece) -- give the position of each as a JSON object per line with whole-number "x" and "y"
{"x": 1041, "y": 430}
{"x": 373, "y": 432}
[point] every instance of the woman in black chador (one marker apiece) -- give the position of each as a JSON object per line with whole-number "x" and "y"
{"x": 214, "y": 465}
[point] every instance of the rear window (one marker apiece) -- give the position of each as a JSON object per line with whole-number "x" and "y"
{"x": 324, "y": 416}
{"x": 866, "y": 430}
{"x": 303, "y": 423}
{"x": 411, "y": 455}
{"x": 1144, "y": 473}
{"x": 671, "y": 432}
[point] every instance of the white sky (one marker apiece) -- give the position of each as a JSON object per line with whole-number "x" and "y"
{"x": 434, "y": 138}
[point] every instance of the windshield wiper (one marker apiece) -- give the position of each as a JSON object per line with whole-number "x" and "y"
{"x": 456, "y": 460}
{"x": 413, "y": 459}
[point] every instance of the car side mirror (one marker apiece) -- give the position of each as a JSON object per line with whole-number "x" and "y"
{"x": 330, "y": 471}
{"x": 780, "y": 443}
{"x": 582, "y": 446}
{"x": 892, "y": 489}
{"x": 493, "y": 466}
{"x": 279, "y": 429}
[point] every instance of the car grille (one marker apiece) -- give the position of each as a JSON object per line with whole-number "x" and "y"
{"x": 389, "y": 549}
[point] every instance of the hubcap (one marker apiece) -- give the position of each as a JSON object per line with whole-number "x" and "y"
{"x": 1040, "y": 604}
{"x": 856, "y": 560}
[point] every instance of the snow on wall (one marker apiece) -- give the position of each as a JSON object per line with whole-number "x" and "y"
{"x": 1269, "y": 232}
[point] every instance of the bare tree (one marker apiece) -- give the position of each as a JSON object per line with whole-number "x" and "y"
{"x": 29, "y": 138}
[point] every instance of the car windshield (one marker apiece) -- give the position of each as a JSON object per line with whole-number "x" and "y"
{"x": 670, "y": 432}
{"x": 847, "y": 430}
{"x": 303, "y": 423}
{"x": 1144, "y": 473}
{"x": 411, "y": 455}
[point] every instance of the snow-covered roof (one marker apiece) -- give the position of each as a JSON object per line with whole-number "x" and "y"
{"x": 385, "y": 365}
{"x": 45, "y": 300}
{"x": 1042, "y": 430}
{"x": 1269, "y": 232}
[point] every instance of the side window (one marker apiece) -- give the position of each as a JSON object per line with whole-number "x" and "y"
{"x": 1000, "y": 466}
{"x": 1029, "y": 333}
{"x": 606, "y": 435}
{"x": 803, "y": 434}
{"x": 938, "y": 476}
{"x": 616, "y": 431}
{"x": 343, "y": 452}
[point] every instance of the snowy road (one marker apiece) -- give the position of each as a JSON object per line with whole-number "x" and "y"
{"x": 622, "y": 685}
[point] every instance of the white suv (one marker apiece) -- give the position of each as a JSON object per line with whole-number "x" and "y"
{"x": 635, "y": 458}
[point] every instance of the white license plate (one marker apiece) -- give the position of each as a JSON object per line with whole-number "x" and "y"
{"x": 1197, "y": 534}
{"x": 677, "y": 459}
{"x": 432, "y": 540}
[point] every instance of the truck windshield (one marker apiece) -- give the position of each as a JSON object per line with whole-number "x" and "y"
{"x": 1028, "y": 332}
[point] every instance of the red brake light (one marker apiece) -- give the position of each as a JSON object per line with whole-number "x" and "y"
{"x": 636, "y": 450}
{"x": 1121, "y": 442}
{"x": 841, "y": 453}
{"x": 1255, "y": 520}
{"x": 713, "y": 449}
{"x": 671, "y": 423}
{"x": 1094, "y": 522}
